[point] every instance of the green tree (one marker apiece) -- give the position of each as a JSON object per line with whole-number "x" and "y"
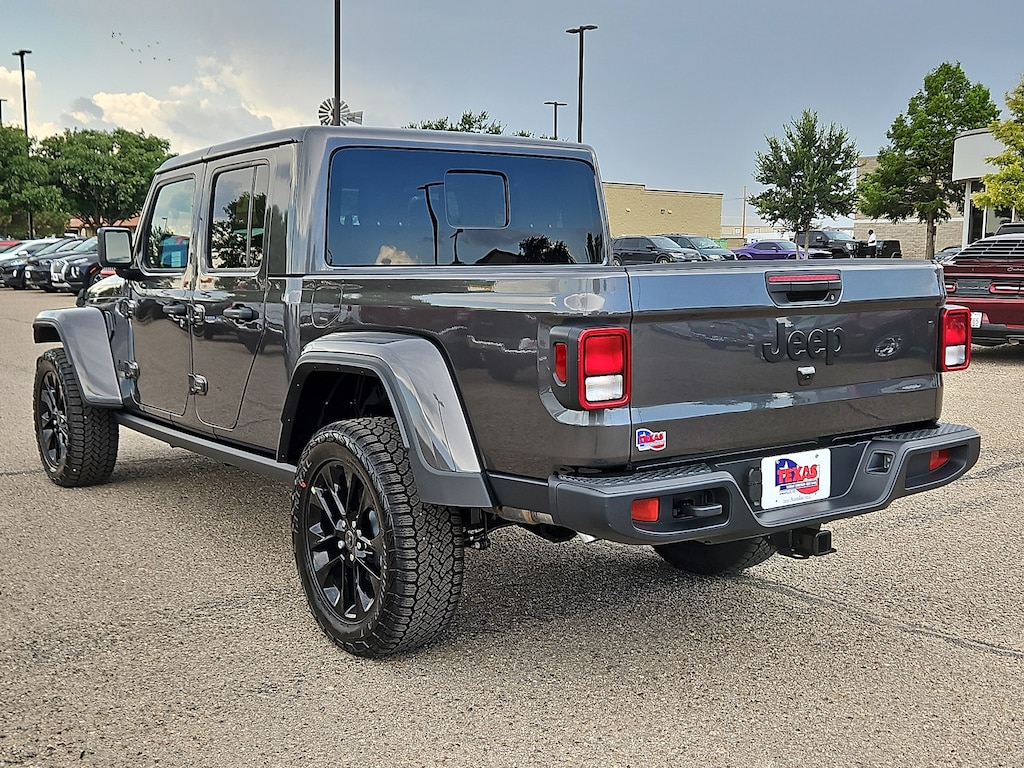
{"x": 470, "y": 122}
{"x": 808, "y": 173}
{"x": 103, "y": 175}
{"x": 24, "y": 187}
{"x": 1005, "y": 187}
{"x": 915, "y": 170}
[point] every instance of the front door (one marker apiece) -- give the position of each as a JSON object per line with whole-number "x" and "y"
{"x": 160, "y": 318}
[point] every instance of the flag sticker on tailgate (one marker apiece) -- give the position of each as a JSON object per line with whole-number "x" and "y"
{"x": 795, "y": 478}
{"x": 646, "y": 440}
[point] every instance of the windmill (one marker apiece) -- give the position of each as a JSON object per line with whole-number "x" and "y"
{"x": 346, "y": 115}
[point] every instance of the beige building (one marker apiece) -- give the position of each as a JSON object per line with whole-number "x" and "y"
{"x": 910, "y": 232}
{"x": 633, "y": 209}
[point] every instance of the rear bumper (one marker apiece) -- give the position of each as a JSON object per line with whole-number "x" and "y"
{"x": 867, "y": 475}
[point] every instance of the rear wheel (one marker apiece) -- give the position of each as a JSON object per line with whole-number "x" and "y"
{"x": 663, "y": 260}
{"x": 382, "y": 571}
{"x": 714, "y": 559}
{"x": 77, "y": 443}
{"x": 616, "y": 261}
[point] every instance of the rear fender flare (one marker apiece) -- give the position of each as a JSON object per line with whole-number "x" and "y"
{"x": 426, "y": 404}
{"x": 86, "y": 338}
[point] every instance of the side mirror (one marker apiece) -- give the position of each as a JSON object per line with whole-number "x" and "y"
{"x": 114, "y": 246}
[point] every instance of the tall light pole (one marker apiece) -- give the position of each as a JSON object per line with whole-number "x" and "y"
{"x": 24, "y": 104}
{"x": 554, "y": 108}
{"x": 24, "y": 95}
{"x": 336, "y": 114}
{"x": 579, "y": 120}
{"x": 2, "y": 111}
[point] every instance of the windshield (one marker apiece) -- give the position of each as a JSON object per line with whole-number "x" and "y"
{"x": 667, "y": 243}
{"x": 840, "y": 235}
{"x": 85, "y": 245}
{"x": 704, "y": 242}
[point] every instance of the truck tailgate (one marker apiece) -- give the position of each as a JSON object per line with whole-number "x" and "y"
{"x": 742, "y": 356}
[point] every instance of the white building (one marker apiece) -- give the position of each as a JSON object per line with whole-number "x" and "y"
{"x": 971, "y": 151}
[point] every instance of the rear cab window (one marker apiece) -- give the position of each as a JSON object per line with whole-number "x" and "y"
{"x": 413, "y": 207}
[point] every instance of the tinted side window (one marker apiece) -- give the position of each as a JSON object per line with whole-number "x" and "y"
{"x": 398, "y": 207}
{"x": 238, "y": 218}
{"x": 170, "y": 226}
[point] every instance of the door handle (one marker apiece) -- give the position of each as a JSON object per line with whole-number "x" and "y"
{"x": 240, "y": 312}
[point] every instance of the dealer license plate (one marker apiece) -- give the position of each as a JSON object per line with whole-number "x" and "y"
{"x": 795, "y": 478}
{"x": 975, "y": 319}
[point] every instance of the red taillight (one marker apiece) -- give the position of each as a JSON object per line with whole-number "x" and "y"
{"x": 603, "y": 367}
{"x": 938, "y": 459}
{"x": 561, "y": 362}
{"x": 644, "y": 510}
{"x": 603, "y": 354}
{"x": 955, "y": 339}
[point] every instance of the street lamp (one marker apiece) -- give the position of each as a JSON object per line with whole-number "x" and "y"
{"x": 2, "y": 111}
{"x": 24, "y": 96}
{"x": 579, "y": 120}
{"x": 24, "y": 105}
{"x": 554, "y": 108}
{"x": 336, "y": 112}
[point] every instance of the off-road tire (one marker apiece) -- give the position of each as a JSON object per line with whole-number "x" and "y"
{"x": 382, "y": 571}
{"x": 715, "y": 559}
{"x": 77, "y": 443}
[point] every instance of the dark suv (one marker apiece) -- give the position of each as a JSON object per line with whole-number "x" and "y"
{"x": 708, "y": 249}
{"x": 839, "y": 243}
{"x": 644, "y": 250}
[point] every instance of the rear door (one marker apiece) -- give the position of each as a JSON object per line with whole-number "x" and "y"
{"x": 228, "y": 303}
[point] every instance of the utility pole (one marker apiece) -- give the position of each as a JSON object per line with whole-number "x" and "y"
{"x": 743, "y": 221}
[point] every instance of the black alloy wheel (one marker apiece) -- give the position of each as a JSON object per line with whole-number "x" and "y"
{"x": 382, "y": 571}
{"x": 77, "y": 442}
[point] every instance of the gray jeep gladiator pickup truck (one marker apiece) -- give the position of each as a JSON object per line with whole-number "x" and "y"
{"x": 423, "y": 333}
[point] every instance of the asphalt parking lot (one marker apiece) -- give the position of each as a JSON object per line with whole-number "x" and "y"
{"x": 158, "y": 620}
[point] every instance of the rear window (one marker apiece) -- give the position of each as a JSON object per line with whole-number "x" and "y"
{"x": 995, "y": 248}
{"x": 391, "y": 207}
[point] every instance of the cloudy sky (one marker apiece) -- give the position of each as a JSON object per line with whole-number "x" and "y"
{"x": 679, "y": 95}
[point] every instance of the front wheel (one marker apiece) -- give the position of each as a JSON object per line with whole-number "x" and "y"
{"x": 715, "y": 559}
{"x": 382, "y": 571}
{"x": 77, "y": 443}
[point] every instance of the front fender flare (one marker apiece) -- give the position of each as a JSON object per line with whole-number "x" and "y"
{"x": 427, "y": 406}
{"x": 83, "y": 332}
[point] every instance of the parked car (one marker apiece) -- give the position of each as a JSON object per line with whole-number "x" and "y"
{"x": 645, "y": 250}
{"x": 947, "y": 253}
{"x": 708, "y": 249}
{"x": 839, "y": 244}
{"x": 987, "y": 277}
{"x": 6, "y": 245}
{"x": 37, "y": 268}
{"x": 1010, "y": 228}
{"x": 12, "y": 262}
{"x": 76, "y": 268}
{"x": 767, "y": 249}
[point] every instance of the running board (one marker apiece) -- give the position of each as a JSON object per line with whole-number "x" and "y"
{"x": 236, "y": 457}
